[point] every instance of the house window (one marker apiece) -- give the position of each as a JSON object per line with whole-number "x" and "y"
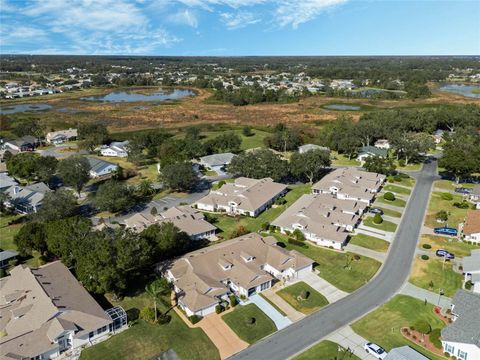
{"x": 91, "y": 334}
{"x": 462, "y": 354}
{"x": 264, "y": 286}
{"x": 449, "y": 349}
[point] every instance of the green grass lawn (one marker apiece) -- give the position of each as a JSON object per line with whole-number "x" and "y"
{"x": 228, "y": 224}
{"x": 385, "y": 225}
{"x": 8, "y": 232}
{"x": 342, "y": 160}
{"x": 450, "y": 185}
{"x": 437, "y": 273}
{"x": 437, "y": 203}
{"x": 391, "y": 213}
{"x": 326, "y": 350}
{"x": 404, "y": 181}
{"x": 334, "y": 267}
{"x": 144, "y": 341}
{"x": 397, "y": 189}
{"x": 370, "y": 242}
{"x": 248, "y": 142}
{"x": 383, "y": 325}
{"x": 240, "y": 320}
{"x": 293, "y": 295}
{"x": 453, "y": 245}
{"x": 396, "y": 202}
{"x": 409, "y": 167}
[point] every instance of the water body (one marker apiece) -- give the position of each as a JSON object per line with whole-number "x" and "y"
{"x": 342, "y": 107}
{"x": 12, "y": 109}
{"x": 461, "y": 89}
{"x": 128, "y": 96}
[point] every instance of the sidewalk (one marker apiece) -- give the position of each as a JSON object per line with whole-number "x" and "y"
{"x": 323, "y": 287}
{"x": 422, "y": 294}
{"x": 348, "y": 339}
{"x": 366, "y": 252}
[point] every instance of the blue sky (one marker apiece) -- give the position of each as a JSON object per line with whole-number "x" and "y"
{"x": 240, "y": 27}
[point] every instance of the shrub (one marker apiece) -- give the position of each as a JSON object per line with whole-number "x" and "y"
{"x": 221, "y": 183}
{"x": 219, "y": 308}
{"x": 153, "y": 211}
{"x": 401, "y": 163}
{"x": 442, "y": 215}
{"x": 447, "y": 196}
{"x": 233, "y": 300}
{"x": 194, "y": 319}
{"x": 3, "y": 273}
{"x": 434, "y": 338}
{"x": 468, "y": 285}
{"x": 427, "y": 246}
{"x": 447, "y": 355}
{"x": 243, "y": 297}
{"x": 304, "y": 294}
{"x": 298, "y": 235}
{"x": 296, "y": 242}
{"x": 377, "y": 219}
{"x": 423, "y": 327}
{"x": 356, "y": 257}
{"x": 164, "y": 319}
{"x": 281, "y": 201}
{"x": 397, "y": 178}
{"x": 247, "y": 131}
{"x": 389, "y": 196}
{"x": 461, "y": 205}
{"x": 265, "y": 226}
{"x": 251, "y": 321}
{"x": 425, "y": 257}
{"x": 148, "y": 314}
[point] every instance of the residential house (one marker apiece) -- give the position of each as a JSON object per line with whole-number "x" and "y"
{"x": 26, "y": 199}
{"x": 6, "y": 256}
{"x": 307, "y": 147}
{"x": 217, "y": 162}
{"x": 6, "y": 181}
{"x": 242, "y": 266}
{"x": 322, "y": 218}
{"x": 185, "y": 218}
{"x": 461, "y": 338}
{"x": 100, "y": 167}
{"x": 59, "y": 137}
{"x": 115, "y": 149}
{"x": 382, "y": 144}
{"x": 471, "y": 269}
{"x": 438, "y": 136}
{"x": 368, "y": 151}
{"x": 471, "y": 226}
{"x": 245, "y": 196}
{"x": 25, "y": 143}
{"x": 405, "y": 353}
{"x": 350, "y": 184}
{"x": 45, "y": 312}
{"x": 474, "y": 196}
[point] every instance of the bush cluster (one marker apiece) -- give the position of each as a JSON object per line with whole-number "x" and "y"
{"x": 389, "y": 196}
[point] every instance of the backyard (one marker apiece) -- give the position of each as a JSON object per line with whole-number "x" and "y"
{"x": 435, "y": 275}
{"x": 326, "y": 350}
{"x": 249, "y": 323}
{"x": 453, "y": 245}
{"x": 383, "y": 325}
{"x": 441, "y": 201}
{"x": 341, "y": 269}
{"x": 370, "y": 242}
{"x": 303, "y": 297}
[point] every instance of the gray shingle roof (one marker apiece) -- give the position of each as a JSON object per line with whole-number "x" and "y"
{"x": 373, "y": 150}
{"x": 217, "y": 159}
{"x": 405, "y": 353}
{"x": 98, "y": 165}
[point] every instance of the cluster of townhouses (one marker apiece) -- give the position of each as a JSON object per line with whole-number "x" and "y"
{"x": 45, "y": 312}
{"x": 333, "y": 210}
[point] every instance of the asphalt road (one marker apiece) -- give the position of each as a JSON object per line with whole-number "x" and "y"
{"x": 395, "y": 271}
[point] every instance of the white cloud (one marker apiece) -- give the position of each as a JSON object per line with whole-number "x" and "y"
{"x": 16, "y": 33}
{"x": 239, "y": 20}
{"x": 294, "y": 12}
{"x": 184, "y": 17}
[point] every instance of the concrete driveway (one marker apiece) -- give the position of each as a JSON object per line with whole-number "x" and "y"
{"x": 324, "y": 287}
{"x": 348, "y": 339}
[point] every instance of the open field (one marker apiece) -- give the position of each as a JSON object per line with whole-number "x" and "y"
{"x": 325, "y": 350}
{"x": 339, "y": 268}
{"x": 370, "y": 242}
{"x": 155, "y": 338}
{"x": 453, "y": 245}
{"x": 383, "y": 325}
{"x": 434, "y": 275}
{"x": 303, "y": 297}
{"x": 438, "y": 203}
{"x": 249, "y": 323}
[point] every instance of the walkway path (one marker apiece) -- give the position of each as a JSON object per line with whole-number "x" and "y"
{"x": 348, "y": 339}
{"x": 422, "y": 294}
{"x": 323, "y": 287}
{"x": 366, "y": 252}
{"x": 279, "y": 320}
{"x": 272, "y": 295}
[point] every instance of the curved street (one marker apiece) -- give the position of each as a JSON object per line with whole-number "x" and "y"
{"x": 299, "y": 336}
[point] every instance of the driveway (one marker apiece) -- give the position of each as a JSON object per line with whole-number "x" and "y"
{"x": 395, "y": 271}
{"x": 323, "y": 287}
{"x": 348, "y": 339}
{"x": 360, "y": 250}
{"x": 422, "y": 294}
{"x": 279, "y": 320}
{"x": 272, "y": 295}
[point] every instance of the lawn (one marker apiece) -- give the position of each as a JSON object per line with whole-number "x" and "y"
{"x": 385, "y": 225}
{"x": 450, "y": 185}
{"x": 397, "y": 189}
{"x": 409, "y": 167}
{"x": 391, "y": 213}
{"x": 249, "y": 323}
{"x": 404, "y": 181}
{"x": 273, "y": 304}
{"x": 326, "y": 350}
{"x": 396, "y": 202}
{"x": 340, "y": 269}
{"x": 435, "y": 275}
{"x": 228, "y": 224}
{"x": 453, "y": 245}
{"x": 144, "y": 341}
{"x": 248, "y": 142}
{"x": 341, "y": 160}
{"x": 303, "y": 297}
{"x": 383, "y": 325}
{"x": 437, "y": 203}
{"x": 8, "y": 231}
{"x": 370, "y": 242}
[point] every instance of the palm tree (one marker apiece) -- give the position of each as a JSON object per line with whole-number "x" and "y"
{"x": 155, "y": 289}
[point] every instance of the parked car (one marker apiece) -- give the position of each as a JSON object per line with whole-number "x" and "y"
{"x": 445, "y": 254}
{"x": 446, "y": 231}
{"x": 375, "y": 211}
{"x": 463, "y": 191}
{"x": 375, "y": 350}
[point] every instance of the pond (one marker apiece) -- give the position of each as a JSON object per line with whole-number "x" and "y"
{"x": 128, "y": 96}
{"x": 12, "y": 109}
{"x": 342, "y": 107}
{"x": 471, "y": 91}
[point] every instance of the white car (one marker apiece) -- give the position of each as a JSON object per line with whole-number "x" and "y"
{"x": 375, "y": 350}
